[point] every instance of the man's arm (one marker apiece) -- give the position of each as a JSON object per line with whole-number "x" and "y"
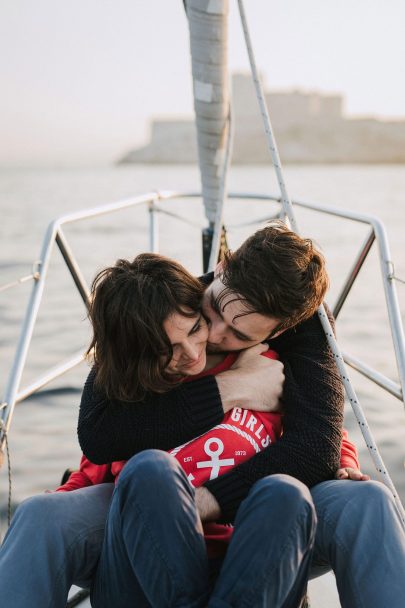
{"x": 309, "y": 448}
{"x": 210, "y": 510}
{"x": 112, "y": 430}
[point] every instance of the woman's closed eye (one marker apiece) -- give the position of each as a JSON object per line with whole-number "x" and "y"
{"x": 198, "y": 326}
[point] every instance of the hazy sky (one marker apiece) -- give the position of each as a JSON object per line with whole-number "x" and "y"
{"x": 81, "y": 78}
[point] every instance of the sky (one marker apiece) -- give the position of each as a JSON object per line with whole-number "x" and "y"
{"x": 81, "y": 79}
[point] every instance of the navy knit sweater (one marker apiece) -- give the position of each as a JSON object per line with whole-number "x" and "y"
{"x": 309, "y": 448}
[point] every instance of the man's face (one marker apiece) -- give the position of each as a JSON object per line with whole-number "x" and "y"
{"x": 227, "y": 330}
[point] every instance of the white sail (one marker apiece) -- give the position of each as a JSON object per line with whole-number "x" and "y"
{"x": 208, "y": 23}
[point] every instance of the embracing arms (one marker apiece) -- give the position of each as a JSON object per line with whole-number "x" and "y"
{"x": 111, "y": 430}
{"x": 309, "y": 448}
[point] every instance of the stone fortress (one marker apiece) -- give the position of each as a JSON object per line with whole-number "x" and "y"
{"x": 310, "y": 127}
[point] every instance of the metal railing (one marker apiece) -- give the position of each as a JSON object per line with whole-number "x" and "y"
{"x": 154, "y": 202}
{"x": 54, "y": 234}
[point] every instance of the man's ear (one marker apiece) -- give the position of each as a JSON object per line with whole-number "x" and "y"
{"x": 218, "y": 269}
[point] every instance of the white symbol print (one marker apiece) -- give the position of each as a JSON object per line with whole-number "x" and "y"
{"x": 215, "y": 462}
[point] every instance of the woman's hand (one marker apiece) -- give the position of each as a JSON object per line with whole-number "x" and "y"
{"x": 349, "y": 473}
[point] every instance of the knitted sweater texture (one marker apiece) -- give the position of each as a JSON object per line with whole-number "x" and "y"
{"x": 309, "y": 448}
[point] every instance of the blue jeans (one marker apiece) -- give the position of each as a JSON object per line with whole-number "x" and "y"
{"x": 154, "y": 551}
{"x": 55, "y": 541}
{"x": 361, "y": 537}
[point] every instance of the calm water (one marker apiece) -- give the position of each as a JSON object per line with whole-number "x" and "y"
{"x": 43, "y": 438}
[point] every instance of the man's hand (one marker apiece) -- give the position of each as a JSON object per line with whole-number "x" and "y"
{"x": 349, "y": 473}
{"x": 253, "y": 382}
{"x": 207, "y": 506}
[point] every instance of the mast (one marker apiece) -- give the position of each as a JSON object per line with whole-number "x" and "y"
{"x": 208, "y": 25}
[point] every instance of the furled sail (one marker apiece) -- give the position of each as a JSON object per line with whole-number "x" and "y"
{"x": 208, "y": 24}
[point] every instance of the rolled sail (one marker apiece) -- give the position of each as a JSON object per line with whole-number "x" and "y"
{"x": 208, "y": 23}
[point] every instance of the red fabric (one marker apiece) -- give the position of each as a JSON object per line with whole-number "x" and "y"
{"x": 89, "y": 474}
{"x": 241, "y": 435}
{"x": 349, "y": 456}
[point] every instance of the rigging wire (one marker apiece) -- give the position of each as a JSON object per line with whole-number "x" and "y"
{"x": 392, "y": 274}
{"x": 5, "y": 435}
{"x": 34, "y": 275}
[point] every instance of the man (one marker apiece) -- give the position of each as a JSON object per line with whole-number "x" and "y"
{"x": 274, "y": 261}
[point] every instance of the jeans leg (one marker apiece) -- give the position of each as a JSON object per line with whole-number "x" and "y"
{"x": 54, "y": 541}
{"x": 268, "y": 559}
{"x": 361, "y": 536}
{"x": 154, "y": 551}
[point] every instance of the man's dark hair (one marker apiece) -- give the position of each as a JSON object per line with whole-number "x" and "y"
{"x": 130, "y": 302}
{"x": 278, "y": 274}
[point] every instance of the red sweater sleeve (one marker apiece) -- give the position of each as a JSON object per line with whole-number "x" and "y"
{"x": 348, "y": 455}
{"x": 89, "y": 474}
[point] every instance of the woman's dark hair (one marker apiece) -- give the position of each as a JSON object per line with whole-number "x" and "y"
{"x": 130, "y": 302}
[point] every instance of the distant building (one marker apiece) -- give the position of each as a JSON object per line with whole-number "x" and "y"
{"x": 171, "y": 141}
{"x": 310, "y": 127}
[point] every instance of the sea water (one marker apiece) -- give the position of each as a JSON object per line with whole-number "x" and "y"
{"x": 43, "y": 439}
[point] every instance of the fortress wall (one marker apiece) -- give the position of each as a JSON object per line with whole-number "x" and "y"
{"x": 309, "y": 127}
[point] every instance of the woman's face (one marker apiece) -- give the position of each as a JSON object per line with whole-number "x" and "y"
{"x": 188, "y": 337}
